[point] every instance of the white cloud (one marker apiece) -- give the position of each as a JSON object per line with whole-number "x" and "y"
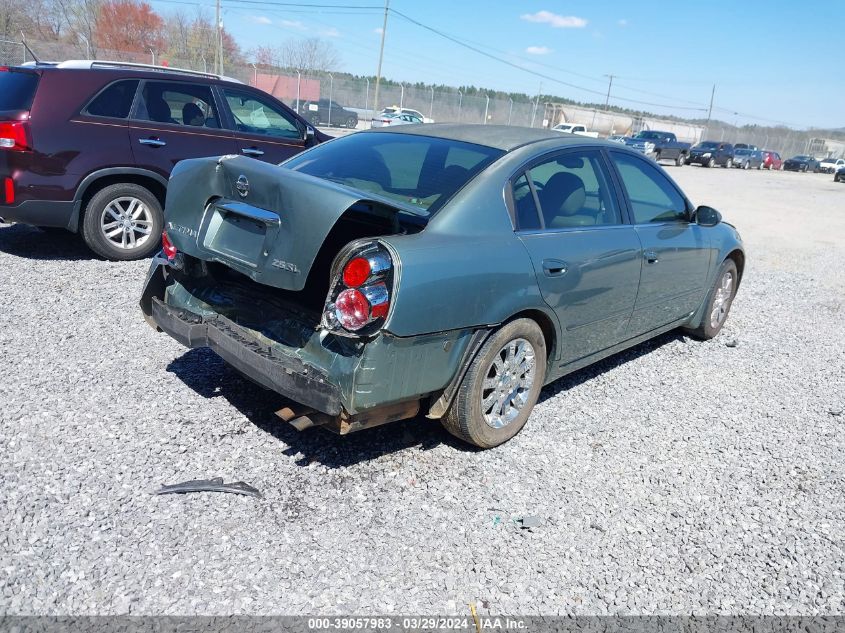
{"x": 260, "y": 19}
{"x": 538, "y": 50}
{"x": 330, "y": 32}
{"x": 555, "y": 20}
{"x": 293, "y": 24}
{"x": 622, "y": 22}
{"x": 378, "y": 31}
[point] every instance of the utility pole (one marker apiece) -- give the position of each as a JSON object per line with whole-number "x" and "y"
{"x": 380, "y": 54}
{"x": 709, "y": 112}
{"x": 217, "y": 38}
{"x": 607, "y": 101}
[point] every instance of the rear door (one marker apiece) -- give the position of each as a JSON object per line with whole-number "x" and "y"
{"x": 263, "y": 127}
{"x": 675, "y": 252}
{"x": 175, "y": 120}
{"x": 587, "y": 259}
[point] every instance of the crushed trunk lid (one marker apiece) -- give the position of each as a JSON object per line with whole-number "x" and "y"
{"x": 262, "y": 220}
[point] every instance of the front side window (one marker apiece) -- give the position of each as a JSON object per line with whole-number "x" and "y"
{"x": 189, "y": 105}
{"x": 652, "y": 195}
{"x": 255, "y": 115}
{"x": 115, "y": 101}
{"x": 573, "y": 190}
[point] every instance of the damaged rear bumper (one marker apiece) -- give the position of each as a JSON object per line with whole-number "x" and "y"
{"x": 281, "y": 373}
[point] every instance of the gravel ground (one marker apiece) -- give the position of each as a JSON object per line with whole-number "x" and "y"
{"x": 679, "y": 477}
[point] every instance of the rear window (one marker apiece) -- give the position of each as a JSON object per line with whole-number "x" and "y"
{"x": 115, "y": 101}
{"x": 17, "y": 90}
{"x": 419, "y": 171}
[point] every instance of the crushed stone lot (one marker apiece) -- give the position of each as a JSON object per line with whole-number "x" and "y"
{"x": 678, "y": 477}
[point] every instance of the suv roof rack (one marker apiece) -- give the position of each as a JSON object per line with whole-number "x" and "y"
{"x": 96, "y": 63}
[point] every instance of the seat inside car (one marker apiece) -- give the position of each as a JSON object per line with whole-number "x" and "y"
{"x": 562, "y": 201}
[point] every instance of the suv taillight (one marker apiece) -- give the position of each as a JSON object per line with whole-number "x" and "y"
{"x": 362, "y": 283}
{"x": 14, "y": 135}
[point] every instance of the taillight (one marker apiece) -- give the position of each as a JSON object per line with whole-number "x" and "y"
{"x": 167, "y": 247}
{"x": 359, "y": 298}
{"x": 14, "y": 135}
{"x": 8, "y": 191}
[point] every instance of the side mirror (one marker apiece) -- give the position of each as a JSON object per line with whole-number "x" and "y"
{"x": 309, "y": 134}
{"x": 707, "y": 216}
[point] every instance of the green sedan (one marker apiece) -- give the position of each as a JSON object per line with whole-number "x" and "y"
{"x": 444, "y": 270}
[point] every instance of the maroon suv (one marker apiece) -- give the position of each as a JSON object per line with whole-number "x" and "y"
{"x": 89, "y": 146}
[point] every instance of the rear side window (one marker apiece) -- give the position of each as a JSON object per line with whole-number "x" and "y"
{"x": 115, "y": 101}
{"x": 177, "y": 103}
{"x": 17, "y": 90}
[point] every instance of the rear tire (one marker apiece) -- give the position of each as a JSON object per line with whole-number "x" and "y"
{"x": 680, "y": 160}
{"x": 719, "y": 302}
{"x": 123, "y": 222}
{"x": 729, "y": 163}
{"x": 500, "y": 379}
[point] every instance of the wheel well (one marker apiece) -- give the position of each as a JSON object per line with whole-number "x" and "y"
{"x": 739, "y": 259}
{"x": 151, "y": 184}
{"x": 546, "y": 325}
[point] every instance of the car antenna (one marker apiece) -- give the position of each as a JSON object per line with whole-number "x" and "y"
{"x": 28, "y": 49}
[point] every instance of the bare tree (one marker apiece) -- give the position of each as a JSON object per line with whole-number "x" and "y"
{"x": 81, "y": 18}
{"x": 309, "y": 55}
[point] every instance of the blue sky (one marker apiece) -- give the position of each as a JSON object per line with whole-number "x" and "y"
{"x": 773, "y": 60}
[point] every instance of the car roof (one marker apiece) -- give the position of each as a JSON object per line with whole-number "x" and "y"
{"x": 503, "y": 137}
{"x": 128, "y": 68}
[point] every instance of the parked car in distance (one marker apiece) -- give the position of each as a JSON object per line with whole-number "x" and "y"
{"x": 660, "y": 146}
{"x": 618, "y": 138}
{"x": 746, "y": 146}
{"x": 712, "y": 153}
{"x": 831, "y": 165}
{"x": 573, "y": 128}
{"x": 393, "y": 120}
{"x": 802, "y": 162}
{"x": 410, "y": 111}
{"x": 839, "y": 176}
{"x": 88, "y": 146}
{"x": 292, "y": 273}
{"x": 772, "y": 160}
{"x": 326, "y": 112}
{"x": 747, "y": 158}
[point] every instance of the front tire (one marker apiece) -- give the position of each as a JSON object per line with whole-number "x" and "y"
{"x": 352, "y": 122}
{"x": 711, "y": 163}
{"x": 123, "y": 222}
{"x": 500, "y": 387}
{"x": 719, "y": 302}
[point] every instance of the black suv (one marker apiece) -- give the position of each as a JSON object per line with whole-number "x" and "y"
{"x": 324, "y": 112}
{"x": 89, "y": 146}
{"x": 712, "y": 153}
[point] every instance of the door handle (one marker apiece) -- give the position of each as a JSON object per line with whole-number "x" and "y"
{"x": 651, "y": 257}
{"x": 152, "y": 142}
{"x": 554, "y": 267}
{"x": 252, "y": 151}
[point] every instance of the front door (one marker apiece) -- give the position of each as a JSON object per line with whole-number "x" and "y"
{"x": 264, "y": 128}
{"x": 586, "y": 259}
{"x": 676, "y": 252}
{"x": 175, "y": 120}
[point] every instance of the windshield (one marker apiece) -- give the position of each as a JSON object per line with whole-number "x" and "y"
{"x": 419, "y": 171}
{"x": 17, "y": 90}
{"x": 708, "y": 145}
{"x": 651, "y": 135}
{"x": 801, "y": 157}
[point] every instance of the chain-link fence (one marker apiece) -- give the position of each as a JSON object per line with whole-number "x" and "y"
{"x": 442, "y": 105}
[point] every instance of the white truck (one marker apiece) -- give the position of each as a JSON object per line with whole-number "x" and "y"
{"x": 574, "y": 128}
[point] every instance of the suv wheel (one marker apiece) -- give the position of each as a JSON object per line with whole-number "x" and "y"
{"x": 123, "y": 222}
{"x": 729, "y": 163}
{"x": 681, "y": 159}
{"x": 500, "y": 387}
{"x": 711, "y": 162}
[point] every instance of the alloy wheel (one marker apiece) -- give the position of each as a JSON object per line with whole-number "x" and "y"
{"x": 722, "y": 299}
{"x": 508, "y": 382}
{"x": 126, "y": 222}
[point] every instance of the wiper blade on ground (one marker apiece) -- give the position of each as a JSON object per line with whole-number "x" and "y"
{"x": 209, "y": 485}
